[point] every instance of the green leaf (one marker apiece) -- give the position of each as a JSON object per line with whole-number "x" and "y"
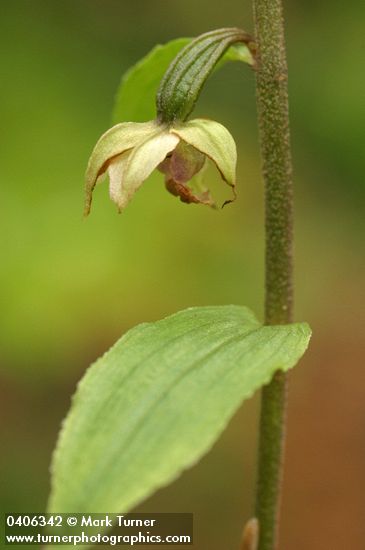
{"x": 159, "y": 399}
{"x": 136, "y": 96}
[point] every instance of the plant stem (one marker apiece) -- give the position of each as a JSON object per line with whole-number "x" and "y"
{"x": 272, "y": 104}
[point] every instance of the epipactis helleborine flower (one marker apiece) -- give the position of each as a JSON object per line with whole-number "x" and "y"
{"x": 130, "y": 151}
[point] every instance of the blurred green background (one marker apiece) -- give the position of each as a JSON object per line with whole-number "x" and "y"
{"x": 71, "y": 286}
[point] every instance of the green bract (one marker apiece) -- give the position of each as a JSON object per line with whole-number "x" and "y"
{"x": 130, "y": 151}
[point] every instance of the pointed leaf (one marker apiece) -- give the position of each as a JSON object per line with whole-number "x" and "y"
{"x": 159, "y": 399}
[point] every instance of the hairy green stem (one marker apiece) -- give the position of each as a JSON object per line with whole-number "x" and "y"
{"x": 272, "y": 103}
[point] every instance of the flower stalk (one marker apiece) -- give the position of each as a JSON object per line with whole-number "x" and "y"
{"x": 183, "y": 81}
{"x": 272, "y": 104}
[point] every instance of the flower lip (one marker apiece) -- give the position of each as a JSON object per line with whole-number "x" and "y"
{"x": 181, "y": 166}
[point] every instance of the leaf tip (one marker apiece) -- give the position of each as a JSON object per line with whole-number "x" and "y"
{"x": 250, "y": 535}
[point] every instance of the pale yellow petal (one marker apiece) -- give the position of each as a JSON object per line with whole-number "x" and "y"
{"x": 116, "y": 170}
{"x": 215, "y": 141}
{"x": 143, "y": 160}
{"x": 115, "y": 141}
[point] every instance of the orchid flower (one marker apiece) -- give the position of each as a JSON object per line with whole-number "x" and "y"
{"x": 130, "y": 151}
